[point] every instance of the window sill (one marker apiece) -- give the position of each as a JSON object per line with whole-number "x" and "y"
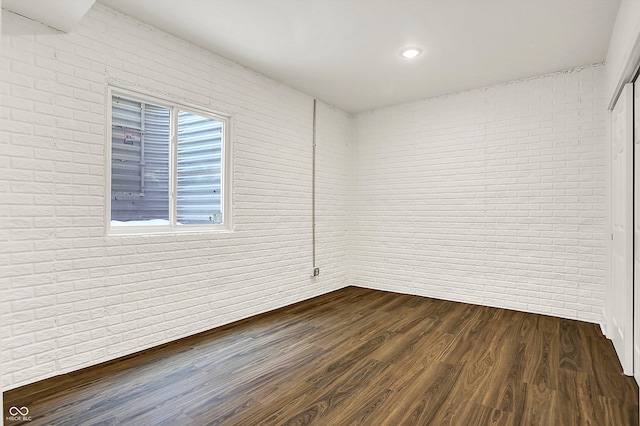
{"x": 164, "y": 230}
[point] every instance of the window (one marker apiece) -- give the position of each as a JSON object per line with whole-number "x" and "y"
{"x": 168, "y": 166}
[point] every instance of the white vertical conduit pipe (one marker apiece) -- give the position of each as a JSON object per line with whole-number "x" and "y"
{"x": 313, "y": 190}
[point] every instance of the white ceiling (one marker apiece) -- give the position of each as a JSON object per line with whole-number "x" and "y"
{"x": 345, "y": 52}
{"x": 61, "y": 16}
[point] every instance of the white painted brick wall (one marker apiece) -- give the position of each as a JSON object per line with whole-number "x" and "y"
{"x": 334, "y": 177}
{"x": 71, "y": 296}
{"x": 493, "y": 196}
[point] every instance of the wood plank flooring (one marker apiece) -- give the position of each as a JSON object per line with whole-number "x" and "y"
{"x": 355, "y": 356}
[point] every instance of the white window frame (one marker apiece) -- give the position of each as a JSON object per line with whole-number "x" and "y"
{"x": 226, "y": 163}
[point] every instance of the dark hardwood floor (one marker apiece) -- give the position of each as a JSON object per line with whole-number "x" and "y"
{"x": 355, "y": 356}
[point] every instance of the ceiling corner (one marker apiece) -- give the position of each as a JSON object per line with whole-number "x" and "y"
{"x": 62, "y": 15}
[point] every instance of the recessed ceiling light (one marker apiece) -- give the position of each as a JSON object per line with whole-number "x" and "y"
{"x": 410, "y": 52}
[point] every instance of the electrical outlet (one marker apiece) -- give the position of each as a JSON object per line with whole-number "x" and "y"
{"x": 315, "y": 272}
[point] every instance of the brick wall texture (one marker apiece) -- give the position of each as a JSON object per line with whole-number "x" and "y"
{"x": 494, "y": 196}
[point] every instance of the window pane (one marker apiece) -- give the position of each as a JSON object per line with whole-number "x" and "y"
{"x": 199, "y": 169}
{"x": 139, "y": 163}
